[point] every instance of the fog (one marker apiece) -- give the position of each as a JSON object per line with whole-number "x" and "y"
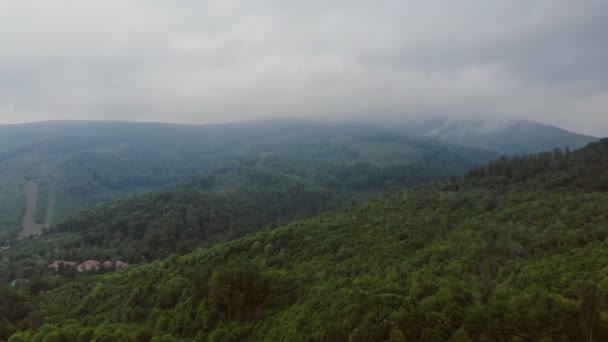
{"x": 232, "y": 60}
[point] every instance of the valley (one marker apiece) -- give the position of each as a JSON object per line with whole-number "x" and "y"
{"x": 404, "y": 237}
{"x": 303, "y": 171}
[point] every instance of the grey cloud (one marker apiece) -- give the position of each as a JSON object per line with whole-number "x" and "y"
{"x": 211, "y": 61}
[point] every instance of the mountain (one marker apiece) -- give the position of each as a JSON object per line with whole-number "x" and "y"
{"x": 49, "y": 170}
{"x": 515, "y": 251}
{"x": 218, "y": 205}
{"x": 509, "y": 137}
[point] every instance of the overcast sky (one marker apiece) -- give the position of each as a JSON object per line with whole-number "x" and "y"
{"x": 199, "y": 61}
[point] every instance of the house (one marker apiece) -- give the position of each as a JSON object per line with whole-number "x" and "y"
{"x": 62, "y": 263}
{"x": 89, "y": 265}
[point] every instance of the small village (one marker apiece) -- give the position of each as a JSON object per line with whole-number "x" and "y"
{"x": 87, "y": 266}
{"x": 63, "y": 267}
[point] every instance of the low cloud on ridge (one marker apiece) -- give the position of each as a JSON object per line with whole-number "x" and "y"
{"x": 215, "y": 61}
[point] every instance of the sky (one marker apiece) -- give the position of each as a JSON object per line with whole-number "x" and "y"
{"x": 197, "y": 61}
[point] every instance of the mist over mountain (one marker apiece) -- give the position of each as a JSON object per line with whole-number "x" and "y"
{"x": 520, "y": 237}
{"x": 225, "y": 232}
{"x": 65, "y": 166}
{"x": 319, "y": 171}
{"x": 214, "y": 62}
{"x": 504, "y": 136}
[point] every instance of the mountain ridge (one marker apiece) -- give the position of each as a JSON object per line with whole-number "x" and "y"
{"x": 505, "y": 136}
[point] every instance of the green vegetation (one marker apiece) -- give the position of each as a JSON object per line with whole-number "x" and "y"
{"x": 516, "y": 251}
{"x": 88, "y": 163}
{"x": 216, "y": 206}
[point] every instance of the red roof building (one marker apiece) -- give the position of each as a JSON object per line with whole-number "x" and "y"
{"x": 89, "y": 265}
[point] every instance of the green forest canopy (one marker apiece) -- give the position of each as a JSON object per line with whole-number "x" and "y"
{"x": 93, "y": 162}
{"x": 515, "y": 251}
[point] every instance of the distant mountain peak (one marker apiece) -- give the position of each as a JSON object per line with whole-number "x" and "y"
{"x": 499, "y": 135}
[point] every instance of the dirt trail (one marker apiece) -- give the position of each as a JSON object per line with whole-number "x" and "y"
{"x": 30, "y": 226}
{"x": 50, "y": 204}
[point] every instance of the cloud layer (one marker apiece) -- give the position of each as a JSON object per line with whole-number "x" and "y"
{"x": 226, "y": 60}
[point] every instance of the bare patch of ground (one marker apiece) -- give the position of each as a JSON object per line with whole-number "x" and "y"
{"x": 29, "y": 223}
{"x": 50, "y": 204}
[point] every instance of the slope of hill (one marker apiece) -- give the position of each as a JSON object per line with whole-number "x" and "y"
{"x": 218, "y": 205}
{"x": 493, "y": 257}
{"x": 508, "y": 137}
{"x": 73, "y": 165}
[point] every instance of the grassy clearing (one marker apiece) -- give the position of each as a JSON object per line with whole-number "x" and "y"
{"x": 386, "y": 153}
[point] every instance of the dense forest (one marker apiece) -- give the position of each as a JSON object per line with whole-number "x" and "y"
{"x": 175, "y": 219}
{"x": 303, "y": 171}
{"x": 514, "y": 251}
{"x": 77, "y": 165}
{"x": 218, "y": 205}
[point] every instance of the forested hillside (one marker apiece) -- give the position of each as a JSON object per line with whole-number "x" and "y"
{"x": 582, "y": 169}
{"x": 176, "y": 219}
{"x": 242, "y": 197}
{"x": 514, "y": 252}
{"x": 72, "y": 165}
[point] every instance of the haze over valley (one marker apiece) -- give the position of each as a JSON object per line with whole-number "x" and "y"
{"x": 280, "y": 171}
